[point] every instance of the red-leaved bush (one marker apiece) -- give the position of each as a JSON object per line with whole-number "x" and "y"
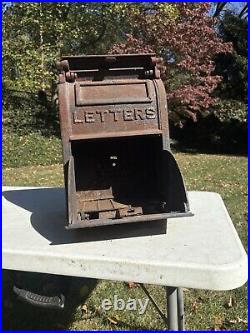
{"x": 188, "y": 42}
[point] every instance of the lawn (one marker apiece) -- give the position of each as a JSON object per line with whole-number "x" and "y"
{"x": 207, "y": 310}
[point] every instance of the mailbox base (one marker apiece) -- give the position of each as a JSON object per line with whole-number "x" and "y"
{"x": 135, "y": 219}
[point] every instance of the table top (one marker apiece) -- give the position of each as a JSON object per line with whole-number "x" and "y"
{"x": 202, "y": 251}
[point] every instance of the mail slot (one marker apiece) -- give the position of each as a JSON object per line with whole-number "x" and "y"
{"x": 118, "y": 167}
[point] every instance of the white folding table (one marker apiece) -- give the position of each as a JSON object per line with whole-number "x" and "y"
{"x": 202, "y": 251}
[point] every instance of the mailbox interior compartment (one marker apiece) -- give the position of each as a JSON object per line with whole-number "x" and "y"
{"x": 118, "y": 177}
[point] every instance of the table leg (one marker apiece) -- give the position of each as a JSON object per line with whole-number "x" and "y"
{"x": 175, "y": 309}
{"x": 172, "y": 312}
{"x": 180, "y": 304}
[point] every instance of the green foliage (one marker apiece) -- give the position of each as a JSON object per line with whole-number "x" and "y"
{"x": 215, "y": 133}
{"x": 235, "y": 29}
{"x": 234, "y": 70}
{"x": 233, "y": 67}
{"x": 232, "y": 110}
{"x": 36, "y": 34}
{"x": 30, "y": 131}
{"x": 24, "y": 113}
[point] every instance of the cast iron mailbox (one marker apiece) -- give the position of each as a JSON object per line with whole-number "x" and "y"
{"x": 118, "y": 167}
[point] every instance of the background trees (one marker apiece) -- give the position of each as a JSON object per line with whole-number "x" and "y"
{"x": 186, "y": 39}
{"x": 227, "y": 124}
{"x": 203, "y": 46}
{"x": 36, "y": 34}
{"x": 233, "y": 67}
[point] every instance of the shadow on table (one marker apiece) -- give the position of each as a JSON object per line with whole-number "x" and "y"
{"x": 48, "y": 217}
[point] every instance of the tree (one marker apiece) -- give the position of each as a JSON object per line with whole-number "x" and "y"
{"x": 226, "y": 127}
{"x": 244, "y": 11}
{"x": 186, "y": 39}
{"x": 222, "y": 7}
{"x": 233, "y": 67}
{"x": 219, "y": 8}
{"x": 36, "y": 34}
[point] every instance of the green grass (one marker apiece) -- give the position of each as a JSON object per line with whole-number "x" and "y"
{"x": 30, "y": 149}
{"x": 207, "y": 310}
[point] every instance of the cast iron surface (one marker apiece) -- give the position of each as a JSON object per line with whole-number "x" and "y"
{"x": 118, "y": 167}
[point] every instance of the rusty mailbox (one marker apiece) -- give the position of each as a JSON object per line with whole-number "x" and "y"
{"x": 118, "y": 167}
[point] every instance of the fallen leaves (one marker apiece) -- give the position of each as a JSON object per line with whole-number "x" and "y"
{"x": 133, "y": 285}
{"x": 112, "y": 320}
{"x": 218, "y": 323}
{"x": 237, "y": 320}
{"x": 84, "y": 309}
{"x": 231, "y": 302}
{"x": 196, "y": 303}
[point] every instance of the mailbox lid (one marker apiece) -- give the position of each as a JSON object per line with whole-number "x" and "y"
{"x": 80, "y": 63}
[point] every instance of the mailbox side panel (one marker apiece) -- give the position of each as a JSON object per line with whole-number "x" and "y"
{"x": 65, "y": 107}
